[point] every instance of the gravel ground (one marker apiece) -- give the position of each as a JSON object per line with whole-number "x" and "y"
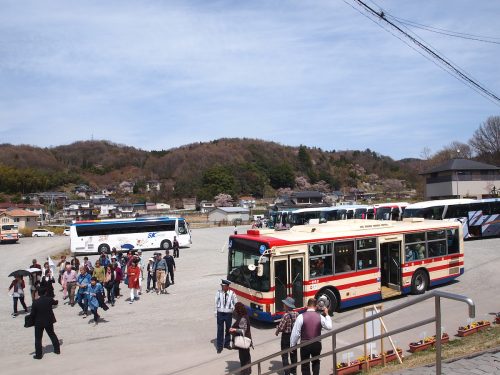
{"x": 174, "y": 334}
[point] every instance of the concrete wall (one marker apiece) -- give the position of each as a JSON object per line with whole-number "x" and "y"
{"x": 474, "y": 189}
{"x": 218, "y": 215}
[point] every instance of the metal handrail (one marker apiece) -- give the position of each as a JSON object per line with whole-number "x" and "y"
{"x": 436, "y": 294}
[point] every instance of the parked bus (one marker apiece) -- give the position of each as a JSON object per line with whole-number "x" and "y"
{"x": 390, "y": 211}
{"x": 480, "y": 218}
{"x": 96, "y": 236}
{"x": 324, "y": 214}
{"x": 348, "y": 263}
{"x": 9, "y": 233}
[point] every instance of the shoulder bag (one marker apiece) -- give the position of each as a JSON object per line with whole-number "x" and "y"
{"x": 29, "y": 321}
{"x": 242, "y": 342}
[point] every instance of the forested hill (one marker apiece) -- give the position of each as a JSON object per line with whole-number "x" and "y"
{"x": 234, "y": 166}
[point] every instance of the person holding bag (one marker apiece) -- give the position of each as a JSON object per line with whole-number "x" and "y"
{"x": 242, "y": 336}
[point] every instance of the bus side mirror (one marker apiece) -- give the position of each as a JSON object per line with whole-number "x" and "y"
{"x": 260, "y": 270}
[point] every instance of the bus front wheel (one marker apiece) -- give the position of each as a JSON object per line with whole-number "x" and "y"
{"x": 166, "y": 245}
{"x": 332, "y": 299}
{"x": 103, "y": 248}
{"x": 419, "y": 282}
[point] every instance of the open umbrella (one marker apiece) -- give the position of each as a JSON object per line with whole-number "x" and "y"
{"x": 19, "y": 273}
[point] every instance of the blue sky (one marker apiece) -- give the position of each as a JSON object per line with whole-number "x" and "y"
{"x": 161, "y": 74}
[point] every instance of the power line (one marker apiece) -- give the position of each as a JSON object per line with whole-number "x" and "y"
{"x": 440, "y": 66}
{"x": 437, "y": 31}
{"x": 402, "y": 20}
{"x": 456, "y": 71}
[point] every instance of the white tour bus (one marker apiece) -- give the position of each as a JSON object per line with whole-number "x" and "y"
{"x": 479, "y": 218}
{"x": 96, "y": 236}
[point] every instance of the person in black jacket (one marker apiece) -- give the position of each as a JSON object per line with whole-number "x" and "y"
{"x": 170, "y": 265}
{"x": 44, "y": 319}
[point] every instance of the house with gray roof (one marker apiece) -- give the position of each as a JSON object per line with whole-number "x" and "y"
{"x": 229, "y": 215}
{"x": 460, "y": 178}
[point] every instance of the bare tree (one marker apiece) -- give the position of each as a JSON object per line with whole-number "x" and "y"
{"x": 486, "y": 140}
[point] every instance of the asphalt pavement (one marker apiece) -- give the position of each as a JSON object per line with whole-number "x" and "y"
{"x": 174, "y": 333}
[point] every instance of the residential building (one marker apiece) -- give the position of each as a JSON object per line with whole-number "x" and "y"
{"x": 206, "y": 206}
{"x": 460, "y": 178}
{"x": 153, "y": 185}
{"x": 22, "y": 218}
{"x": 306, "y": 198}
{"x": 127, "y": 187}
{"x": 80, "y": 210}
{"x": 107, "y": 191}
{"x": 47, "y": 197}
{"x": 83, "y": 190}
{"x": 124, "y": 210}
{"x": 247, "y": 202}
{"x": 229, "y": 215}
{"x": 38, "y": 209}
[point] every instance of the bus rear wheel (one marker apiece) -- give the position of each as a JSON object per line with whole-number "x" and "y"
{"x": 103, "y": 248}
{"x": 332, "y": 300}
{"x": 419, "y": 282}
{"x": 166, "y": 244}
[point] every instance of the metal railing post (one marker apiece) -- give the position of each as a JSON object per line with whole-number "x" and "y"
{"x": 437, "y": 303}
{"x": 334, "y": 346}
{"x": 437, "y": 319}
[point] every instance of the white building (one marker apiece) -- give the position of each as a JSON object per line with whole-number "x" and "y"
{"x": 460, "y": 178}
{"x": 229, "y": 214}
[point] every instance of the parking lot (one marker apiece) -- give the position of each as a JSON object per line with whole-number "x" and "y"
{"x": 173, "y": 334}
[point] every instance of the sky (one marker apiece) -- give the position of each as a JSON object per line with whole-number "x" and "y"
{"x": 161, "y": 74}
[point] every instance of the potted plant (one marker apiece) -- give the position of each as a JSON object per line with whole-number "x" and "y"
{"x": 390, "y": 355}
{"x": 472, "y": 328}
{"x": 371, "y": 360}
{"x": 420, "y": 345}
{"x": 352, "y": 367}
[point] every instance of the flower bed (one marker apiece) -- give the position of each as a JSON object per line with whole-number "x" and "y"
{"x": 472, "y": 328}
{"x": 345, "y": 368}
{"x": 427, "y": 343}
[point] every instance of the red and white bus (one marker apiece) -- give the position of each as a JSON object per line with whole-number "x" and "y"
{"x": 348, "y": 262}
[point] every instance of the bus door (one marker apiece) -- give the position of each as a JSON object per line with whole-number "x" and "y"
{"x": 288, "y": 280}
{"x": 390, "y": 254}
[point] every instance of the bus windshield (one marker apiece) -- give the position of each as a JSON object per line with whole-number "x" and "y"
{"x": 242, "y": 254}
{"x": 383, "y": 213}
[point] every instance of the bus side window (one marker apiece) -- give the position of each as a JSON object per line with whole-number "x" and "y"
{"x": 344, "y": 256}
{"x": 453, "y": 241}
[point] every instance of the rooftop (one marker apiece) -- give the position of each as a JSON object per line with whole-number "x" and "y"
{"x": 461, "y": 165}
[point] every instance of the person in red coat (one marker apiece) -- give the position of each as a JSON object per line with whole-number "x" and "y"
{"x": 133, "y": 273}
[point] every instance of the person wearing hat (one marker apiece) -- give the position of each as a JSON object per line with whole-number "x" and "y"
{"x": 285, "y": 327}
{"x": 225, "y": 299}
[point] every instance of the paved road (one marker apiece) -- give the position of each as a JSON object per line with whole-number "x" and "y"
{"x": 173, "y": 334}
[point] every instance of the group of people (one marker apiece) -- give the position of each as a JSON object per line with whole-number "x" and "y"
{"x": 293, "y": 328}
{"x": 89, "y": 285}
